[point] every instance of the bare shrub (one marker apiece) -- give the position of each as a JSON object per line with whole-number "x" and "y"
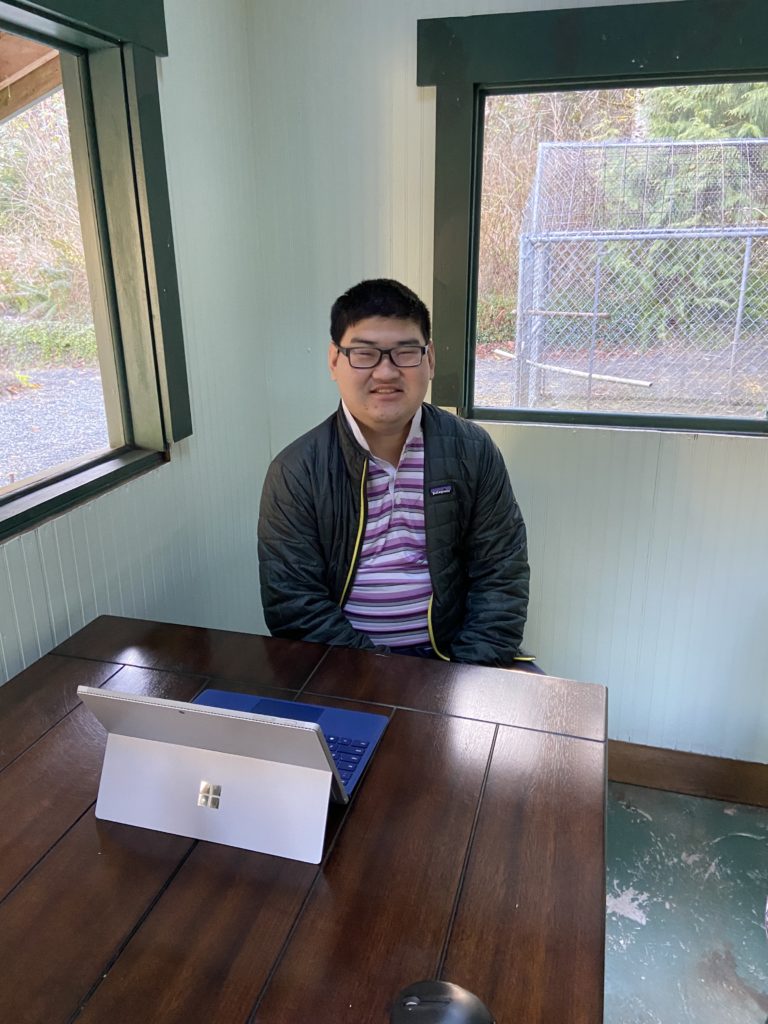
{"x": 43, "y": 285}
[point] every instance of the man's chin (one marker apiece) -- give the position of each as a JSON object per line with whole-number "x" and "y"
{"x": 390, "y": 418}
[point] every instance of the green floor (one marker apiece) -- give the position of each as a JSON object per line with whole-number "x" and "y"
{"x": 687, "y": 885}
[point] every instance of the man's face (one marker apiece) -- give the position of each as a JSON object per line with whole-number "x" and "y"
{"x": 384, "y": 399}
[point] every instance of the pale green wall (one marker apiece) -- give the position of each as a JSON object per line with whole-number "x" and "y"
{"x": 301, "y": 157}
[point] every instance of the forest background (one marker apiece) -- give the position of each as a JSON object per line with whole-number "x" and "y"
{"x": 515, "y": 126}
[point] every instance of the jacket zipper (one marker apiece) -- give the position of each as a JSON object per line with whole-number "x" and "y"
{"x": 438, "y": 652}
{"x": 358, "y": 539}
{"x": 355, "y": 553}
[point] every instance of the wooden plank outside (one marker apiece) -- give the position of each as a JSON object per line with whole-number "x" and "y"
{"x": 491, "y": 694}
{"x": 22, "y": 92}
{"x": 377, "y": 919}
{"x": 529, "y": 934}
{"x": 19, "y": 56}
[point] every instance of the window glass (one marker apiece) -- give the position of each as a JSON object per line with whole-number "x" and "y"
{"x": 623, "y": 257}
{"x": 51, "y": 399}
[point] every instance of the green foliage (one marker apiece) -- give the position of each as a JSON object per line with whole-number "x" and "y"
{"x": 496, "y": 322}
{"x": 42, "y": 264}
{"x": 736, "y": 110}
{"x": 28, "y": 343}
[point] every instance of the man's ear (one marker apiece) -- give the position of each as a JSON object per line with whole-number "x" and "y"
{"x": 333, "y": 358}
{"x": 431, "y": 360}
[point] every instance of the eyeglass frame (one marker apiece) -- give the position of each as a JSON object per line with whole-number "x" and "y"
{"x": 347, "y": 349}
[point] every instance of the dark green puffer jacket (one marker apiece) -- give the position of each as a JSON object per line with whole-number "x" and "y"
{"x": 312, "y": 522}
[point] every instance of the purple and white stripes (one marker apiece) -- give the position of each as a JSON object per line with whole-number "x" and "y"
{"x": 391, "y": 590}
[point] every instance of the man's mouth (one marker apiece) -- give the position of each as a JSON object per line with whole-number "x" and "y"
{"x": 385, "y": 391}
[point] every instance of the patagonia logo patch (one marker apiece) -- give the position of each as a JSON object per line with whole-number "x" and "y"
{"x": 443, "y": 489}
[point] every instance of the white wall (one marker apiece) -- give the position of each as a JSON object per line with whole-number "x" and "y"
{"x": 301, "y": 159}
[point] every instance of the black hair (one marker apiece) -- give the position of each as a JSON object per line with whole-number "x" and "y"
{"x": 378, "y": 297}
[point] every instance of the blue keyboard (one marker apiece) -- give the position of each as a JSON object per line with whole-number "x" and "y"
{"x": 347, "y": 754}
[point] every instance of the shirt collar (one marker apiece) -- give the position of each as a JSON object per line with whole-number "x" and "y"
{"x": 415, "y": 429}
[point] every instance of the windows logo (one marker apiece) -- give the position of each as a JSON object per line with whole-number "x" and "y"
{"x": 209, "y": 795}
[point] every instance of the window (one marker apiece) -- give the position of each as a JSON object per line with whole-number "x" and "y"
{"x": 52, "y": 409}
{"x": 601, "y": 219}
{"x": 89, "y": 311}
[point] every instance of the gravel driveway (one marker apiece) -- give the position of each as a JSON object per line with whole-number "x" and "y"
{"x": 60, "y": 419}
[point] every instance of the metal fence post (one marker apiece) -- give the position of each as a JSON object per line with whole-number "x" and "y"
{"x": 595, "y": 319}
{"x": 739, "y": 314}
{"x": 536, "y": 321}
{"x": 522, "y": 324}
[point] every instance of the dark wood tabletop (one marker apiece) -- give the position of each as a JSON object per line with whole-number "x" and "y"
{"x": 472, "y": 850}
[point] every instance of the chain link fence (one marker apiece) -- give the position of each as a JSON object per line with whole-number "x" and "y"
{"x": 643, "y": 282}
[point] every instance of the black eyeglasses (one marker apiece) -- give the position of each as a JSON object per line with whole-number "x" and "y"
{"x": 365, "y": 358}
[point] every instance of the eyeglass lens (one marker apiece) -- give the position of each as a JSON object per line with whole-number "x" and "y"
{"x": 366, "y": 358}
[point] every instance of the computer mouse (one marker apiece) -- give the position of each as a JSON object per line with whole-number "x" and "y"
{"x": 438, "y": 1002}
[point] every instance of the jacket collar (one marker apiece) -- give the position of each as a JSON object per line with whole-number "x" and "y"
{"x": 355, "y": 454}
{"x": 413, "y": 430}
{"x": 352, "y": 451}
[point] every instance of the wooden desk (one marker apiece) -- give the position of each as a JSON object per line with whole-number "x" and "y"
{"x": 473, "y": 849}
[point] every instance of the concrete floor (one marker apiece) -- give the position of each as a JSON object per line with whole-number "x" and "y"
{"x": 687, "y": 902}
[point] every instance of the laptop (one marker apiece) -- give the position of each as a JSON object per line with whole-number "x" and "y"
{"x": 351, "y": 736}
{"x": 222, "y": 774}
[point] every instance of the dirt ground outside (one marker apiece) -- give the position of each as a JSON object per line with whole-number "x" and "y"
{"x": 675, "y": 379}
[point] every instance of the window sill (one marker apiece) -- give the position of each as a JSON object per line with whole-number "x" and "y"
{"x": 672, "y": 423}
{"x": 30, "y": 506}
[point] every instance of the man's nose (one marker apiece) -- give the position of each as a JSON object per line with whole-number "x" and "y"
{"x": 386, "y": 368}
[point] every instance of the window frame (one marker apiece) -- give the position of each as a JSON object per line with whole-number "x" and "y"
{"x": 620, "y": 46}
{"x": 109, "y": 70}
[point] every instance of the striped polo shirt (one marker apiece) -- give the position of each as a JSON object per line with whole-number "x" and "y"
{"x": 391, "y": 590}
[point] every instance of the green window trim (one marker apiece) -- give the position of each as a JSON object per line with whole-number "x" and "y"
{"x": 598, "y": 47}
{"x": 108, "y": 57}
{"x": 89, "y": 23}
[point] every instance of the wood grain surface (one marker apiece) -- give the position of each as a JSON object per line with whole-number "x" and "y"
{"x": 471, "y": 691}
{"x": 41, "y": 696}
{"x": 206, "y": 951}
{"x": 469, "y": 849}
{"x": 678, "y": 771}
{"x": 378, "y": 915}
{"x": 532, "y": 913}
{"x": 237, "y": 657}
{"x": 63, "y": 925}
{"x": 48, "y": 787}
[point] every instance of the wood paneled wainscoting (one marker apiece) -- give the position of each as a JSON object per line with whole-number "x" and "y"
{"x": 720, "y": 778}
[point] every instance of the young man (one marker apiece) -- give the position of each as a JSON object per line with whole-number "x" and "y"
{"x": 393, "y": 525}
